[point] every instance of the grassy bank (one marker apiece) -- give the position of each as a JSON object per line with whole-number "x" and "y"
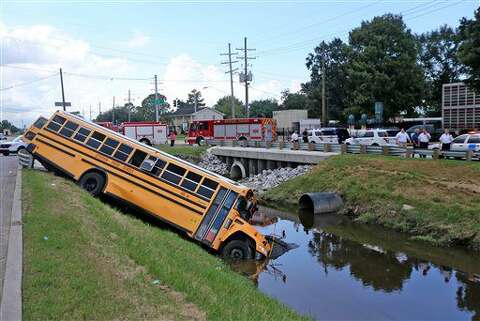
{"x": 85, "y": 260}
{"x": 184, "y": 151}
{"x": 437, "y": 201}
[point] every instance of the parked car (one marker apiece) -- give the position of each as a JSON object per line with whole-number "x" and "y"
{"x": 3, "y": 137}
{"x": 466, "y": 142}
{"x": 328, "y": 135}
{"x": 373, "y": 137}
{"x": 14, "y": 146}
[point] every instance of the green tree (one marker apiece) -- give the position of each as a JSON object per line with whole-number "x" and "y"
{"x": 384, "y": 67}
{"x": 334, "y": 57}
{"x": 195, "y": 95}
{"x": 469, "y": 51}
{"x": 147, "y": 110}
{"x": 121, "y": 114}
{"x": 223, "y": 105}
{"x": 263, "y": 107}
{"x": 440, "y": 62}
{"x": 294, "y": 100}
{"x": 5, "y": 124}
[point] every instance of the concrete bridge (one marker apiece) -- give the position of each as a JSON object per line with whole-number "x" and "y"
{"x": 249, "y": 161}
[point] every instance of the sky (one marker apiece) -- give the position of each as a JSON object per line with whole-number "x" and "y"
{"x": 106, "y": 48}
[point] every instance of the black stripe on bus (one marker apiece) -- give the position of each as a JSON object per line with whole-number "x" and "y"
{"x": 124, "y": 171}
{"x": 55, "y": 147}
{"x": 137, "y": 184}
{"x": 149, "y": 213}
{"x": 131, "y": 166}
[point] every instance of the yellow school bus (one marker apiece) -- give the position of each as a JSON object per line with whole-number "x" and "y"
{"x": 208, "y": 207}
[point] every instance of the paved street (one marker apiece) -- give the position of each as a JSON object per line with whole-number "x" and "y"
{"x": 8, "y": 171}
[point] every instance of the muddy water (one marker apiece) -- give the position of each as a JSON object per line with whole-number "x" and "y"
{"x": 346, "y": 271}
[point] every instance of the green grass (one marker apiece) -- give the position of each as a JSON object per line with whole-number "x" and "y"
{"x": 445, "y": 194}
{"x": 85, "y": 260}
{"x": 183, "y": 150}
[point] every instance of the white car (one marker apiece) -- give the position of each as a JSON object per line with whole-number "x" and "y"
{"x": 466, "y": 142}
{"x": 3, "y": 137}
{"x": 13, "y": 146}
{"x": 373, "y": 137}
{"x": 328, "y": 135}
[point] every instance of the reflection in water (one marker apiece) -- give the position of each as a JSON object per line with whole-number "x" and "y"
{"x": 398, "y": 278}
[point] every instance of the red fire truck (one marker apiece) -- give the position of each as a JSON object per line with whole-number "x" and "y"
{"x": 256, "y": 129}
{"x": 147, "y": 132}
{"x": 109, "y": 125}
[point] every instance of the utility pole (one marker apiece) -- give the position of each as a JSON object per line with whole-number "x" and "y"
{"x": 99, "y": 108}
{"x": 195, "y": 103}
{"x": 324, "y": 105}
{"x": 156, "y": 99}
{"x": 246, "y": 76}
{"x": 63, "y": 92}
{"x": 230, "y": 71}
{"x": 129, "y": 102}
{"x": 90, "y": 112}
{"x": 113, "y": 111}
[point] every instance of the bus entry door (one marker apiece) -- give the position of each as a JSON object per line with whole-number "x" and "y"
{"x": 213, "y": 220}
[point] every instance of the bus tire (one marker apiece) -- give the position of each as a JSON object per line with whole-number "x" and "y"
{"x": 145, "y": 141}
{"x": 237, "y": 250}
{"x": 93, "y": 183}
{"x": 6, "y": 153}
{"x": 242, "y": 138}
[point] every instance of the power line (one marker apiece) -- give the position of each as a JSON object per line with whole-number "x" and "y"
{"x": 28, "y": 82}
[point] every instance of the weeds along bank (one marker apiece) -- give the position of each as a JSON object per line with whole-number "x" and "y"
{"x": 85, "y": 260}
{"x": 436, "y": 201}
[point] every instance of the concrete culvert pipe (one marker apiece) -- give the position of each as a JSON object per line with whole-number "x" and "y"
{"x": 320, "y": 203}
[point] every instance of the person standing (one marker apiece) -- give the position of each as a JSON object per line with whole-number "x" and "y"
{"x": 305, "y": 136}
{"x": 446, "y": 140}
{"x": 294, "y": 137}
{"x": 173, "y": 137}
{"x": 402, "y": 138}
{"x": 415, "y": 138}
{"x": 423, "y": 140}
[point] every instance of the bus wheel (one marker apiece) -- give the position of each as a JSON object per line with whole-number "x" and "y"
{"x": 93, "y": 183}
{"x": 237, "y": 250}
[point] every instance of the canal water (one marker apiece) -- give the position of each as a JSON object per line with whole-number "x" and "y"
{"x": 347, "y": 271}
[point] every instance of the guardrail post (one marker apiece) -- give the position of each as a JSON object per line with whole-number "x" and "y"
{"x": 311, "y": 146}
{"x": 281, "y": 145}
{"x": 469, "y": 155}
{"x": 327, "y": 148}
{"x": 295, "y": 146}
{"x": 343, "y": 148}
{"x": 385, "y": 150}
{"x": 363, "y": 149}
{"x": 408, "y": 152}
{"x": 436, "y": 154}
{"x": 268, "y": 144}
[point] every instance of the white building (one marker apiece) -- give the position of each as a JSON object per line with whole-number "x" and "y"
{"x": 289, "y": 119}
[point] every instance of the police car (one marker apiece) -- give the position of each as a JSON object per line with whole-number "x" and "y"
{"x": 373, "y": 137}
{"x": 466, "y": 142}
{"x": 7, "y": 148}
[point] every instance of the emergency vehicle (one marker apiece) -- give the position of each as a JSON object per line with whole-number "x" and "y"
{"x": 150, "y": 133}
{"x": 255, "y": 129}
{"x": 109, "y": 125}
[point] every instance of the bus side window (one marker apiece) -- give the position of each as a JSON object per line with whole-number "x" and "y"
{"x": 173, "y": 173}
{"x": 148, "y": 164}
{"x": 123, "y": 152}
{"x": 40, "y": 122}
{"x": 137, "y": 158}
{"x": 68, "y": 129}
{"x": 96, "y": 140}
{"x": 159, "y": 165}
{"x": 191, "y": 181}
{"x": 207, "y": 188}
{"x": 82, "y": 134}
{"x": 109, "y": 146}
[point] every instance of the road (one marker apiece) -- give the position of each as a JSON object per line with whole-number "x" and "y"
{"x": 8, "y": 172}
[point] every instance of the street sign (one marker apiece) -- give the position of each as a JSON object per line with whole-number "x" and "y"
{"x": 60, "y": 104}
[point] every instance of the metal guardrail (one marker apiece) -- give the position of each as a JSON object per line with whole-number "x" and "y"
{"x": 352, "y": 149}
{"x": 25, "y": 159}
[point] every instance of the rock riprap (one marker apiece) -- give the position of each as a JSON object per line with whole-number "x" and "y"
{"x": 213, "y": 163}
{"x": 269, "y": 178}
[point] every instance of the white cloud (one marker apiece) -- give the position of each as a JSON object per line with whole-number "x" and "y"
{"x": 138, "y": 40}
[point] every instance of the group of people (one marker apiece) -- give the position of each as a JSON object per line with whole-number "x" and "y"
{"x": 295, "y": 138}
{"x": 421, "y": 139}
